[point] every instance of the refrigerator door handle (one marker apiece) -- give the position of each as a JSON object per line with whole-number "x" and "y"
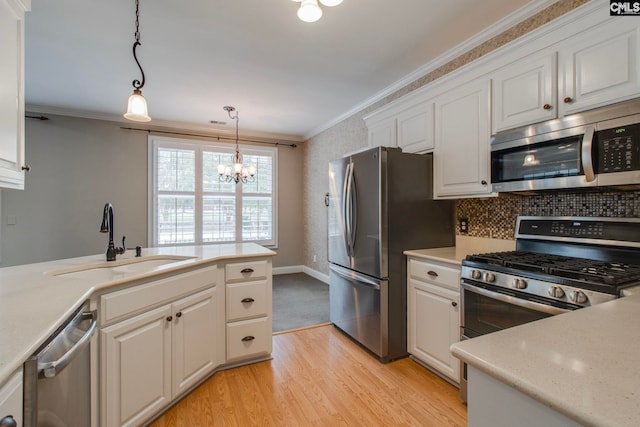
{"x": 352, "y": 275}
{"x": 353, "y": 198}
{"x": 345, "y": 219}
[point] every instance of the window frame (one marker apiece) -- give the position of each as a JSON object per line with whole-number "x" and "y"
{"x": 198, "y": 146}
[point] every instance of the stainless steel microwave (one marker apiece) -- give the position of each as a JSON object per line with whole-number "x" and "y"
{"x": 595, "y": 148}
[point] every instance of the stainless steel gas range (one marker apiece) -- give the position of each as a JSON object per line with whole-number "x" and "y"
{"x": 560, "y": 264}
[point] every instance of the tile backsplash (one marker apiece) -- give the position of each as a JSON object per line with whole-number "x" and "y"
{"x": 495, "y": 217}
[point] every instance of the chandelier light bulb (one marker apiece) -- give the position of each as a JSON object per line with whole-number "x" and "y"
{"x": 330, "y": 3}
{"x": 309, "y": 11}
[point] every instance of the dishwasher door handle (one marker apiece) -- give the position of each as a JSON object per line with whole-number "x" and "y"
{"x": 51, "y": 369}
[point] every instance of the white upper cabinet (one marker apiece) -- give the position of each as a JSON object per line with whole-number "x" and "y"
{"x": 12, "y": 92}
{"x": 600, "y": 66}
{"x": 415, "y": 129}
{"x": 407, "y": 124}
{"x": 461, "y": 155}
{"x": 525, "y": 92}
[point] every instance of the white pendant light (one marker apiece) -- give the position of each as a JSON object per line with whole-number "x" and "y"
{"x": 309, "y": 11}
{"x": 137, "y": 105}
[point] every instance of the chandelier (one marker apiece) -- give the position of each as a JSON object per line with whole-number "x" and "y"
{"x": 137, "y": 105}
{"x": 309, "y": 10}
{"x": 237, "y": 172}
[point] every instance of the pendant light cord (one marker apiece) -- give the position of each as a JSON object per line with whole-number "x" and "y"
{"x": 136, "y": 83}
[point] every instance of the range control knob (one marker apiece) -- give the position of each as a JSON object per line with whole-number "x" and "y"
{"x": 556, "y": 292}
{"x": 578, "y": 297}
{"x": 475, "y": 274}
{"x": 490, "y": 277}
{"x": 519, "y": 283}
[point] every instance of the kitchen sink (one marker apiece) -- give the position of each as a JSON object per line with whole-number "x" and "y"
{"x": 114, "y": 270}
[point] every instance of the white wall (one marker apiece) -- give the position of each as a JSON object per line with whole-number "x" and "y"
{"x": 77, "y": 165}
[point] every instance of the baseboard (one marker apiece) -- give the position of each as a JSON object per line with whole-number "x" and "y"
{"x": 301, "y": 269}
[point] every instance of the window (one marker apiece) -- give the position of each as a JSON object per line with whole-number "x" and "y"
{"x": 192, "y": 207}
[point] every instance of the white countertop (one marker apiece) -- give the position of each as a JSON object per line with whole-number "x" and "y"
{"x": 33, "y": 303}
{"x": 583, "y": 364}
{"x": 465, "y": 245}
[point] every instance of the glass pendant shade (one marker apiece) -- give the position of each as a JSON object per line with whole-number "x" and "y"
{"x": 309, "y": 11}
{"x": 137, "y": 108}
{"x": 330, "y": 3}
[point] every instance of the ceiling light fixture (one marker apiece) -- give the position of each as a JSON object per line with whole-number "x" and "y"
{"x": 309, "y": 10}
{"x": 137, "y": 105}
{"x": 237, "y": 172}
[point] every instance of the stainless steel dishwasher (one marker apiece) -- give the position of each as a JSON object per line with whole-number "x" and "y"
{"x": 57, "y": 377}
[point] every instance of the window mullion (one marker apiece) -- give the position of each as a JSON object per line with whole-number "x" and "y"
{"x": 198, "y": 202}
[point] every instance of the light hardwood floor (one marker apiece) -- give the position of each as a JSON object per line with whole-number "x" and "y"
{"x": 319, "y": 377}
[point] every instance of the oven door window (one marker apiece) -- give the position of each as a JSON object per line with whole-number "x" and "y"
{"x": 558, "y": 158}
{"x": 484, "y": 314}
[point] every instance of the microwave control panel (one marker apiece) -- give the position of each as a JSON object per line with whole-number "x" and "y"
{"x": 619, "y": 149}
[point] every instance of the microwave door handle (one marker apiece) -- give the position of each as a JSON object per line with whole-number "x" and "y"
{"x": 587, "y": 154}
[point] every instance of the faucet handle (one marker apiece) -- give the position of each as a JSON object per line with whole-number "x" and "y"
{"x": 122, "y": 250}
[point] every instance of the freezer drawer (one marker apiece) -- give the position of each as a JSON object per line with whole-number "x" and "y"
{"x": 355, "y": 307}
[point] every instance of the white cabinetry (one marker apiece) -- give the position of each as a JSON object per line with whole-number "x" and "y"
{"x": 11, "y": 399}
{"x": 248, "y": 308}
{"x": 601, "y": 66}
{"x": 407, "y": 125}
{"x": 433, "y": 315}
{"x": 525, "y": 92}
{"x": 12, "y": 92}
{"x": 461, "y": 155}
{"x": 595, "y": 68}
{"x": 158, "y": 352}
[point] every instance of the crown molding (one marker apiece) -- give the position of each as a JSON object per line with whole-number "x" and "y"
{"x": 162, "y": 124}
{"x": 499, "y": 27}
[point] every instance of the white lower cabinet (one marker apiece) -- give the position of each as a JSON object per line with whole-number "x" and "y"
{"x": 155, "y": 356}
{"x": 11, "y": 400}
{"x": 433, "y": 315}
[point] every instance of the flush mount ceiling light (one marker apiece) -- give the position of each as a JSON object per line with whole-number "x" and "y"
{"x": 309, "y": 10}
{"x": 237, "y": 172}
{"x": 137, "y": 105}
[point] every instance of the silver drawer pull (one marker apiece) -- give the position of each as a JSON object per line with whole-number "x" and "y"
{"x": 246, "y": 270}
{"x": 432, "y": 273}
{"x": 248, "y": 338}
{"x": 247, "y": 300}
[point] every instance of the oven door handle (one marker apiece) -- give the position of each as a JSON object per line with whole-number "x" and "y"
{"x": 544, "y": 308}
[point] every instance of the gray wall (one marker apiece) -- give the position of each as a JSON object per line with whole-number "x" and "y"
{"x": 80, "y": 164}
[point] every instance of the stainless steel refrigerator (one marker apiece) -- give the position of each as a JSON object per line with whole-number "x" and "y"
{"x": 380, "y": 204}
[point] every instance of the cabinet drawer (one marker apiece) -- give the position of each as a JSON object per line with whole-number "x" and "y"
{"x": 248, "y": 270}
{"x": 246, "y": 300}
{"x": 120, "y": 304}
{"x": 435, "y": 273}
{"x": 248, "y": 338}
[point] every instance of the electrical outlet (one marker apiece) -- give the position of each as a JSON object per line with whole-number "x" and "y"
{"x": 464, "y": 225}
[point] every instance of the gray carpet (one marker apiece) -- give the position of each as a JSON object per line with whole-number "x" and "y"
{"x": 299, "y": 301}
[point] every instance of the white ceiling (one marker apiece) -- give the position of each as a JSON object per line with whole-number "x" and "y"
{"x": 287, "y": 78}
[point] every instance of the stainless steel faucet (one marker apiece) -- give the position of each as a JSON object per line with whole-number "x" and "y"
{"x": 107, "y": 227}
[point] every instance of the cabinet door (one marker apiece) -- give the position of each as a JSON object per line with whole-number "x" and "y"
{"x": 195, "y": 339}
{"x": 383, "y": 134}
{"x": 11, "y": 95}
{"x": 462, "y": 135}
{"x": 434, "y": 326}
{"x": 601, "y": 66}
{"x": 136, "y": 368}
{"x": 525, "y": 92}
{"x": 415, "y": 129}
{"x": 11, "y": 398}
